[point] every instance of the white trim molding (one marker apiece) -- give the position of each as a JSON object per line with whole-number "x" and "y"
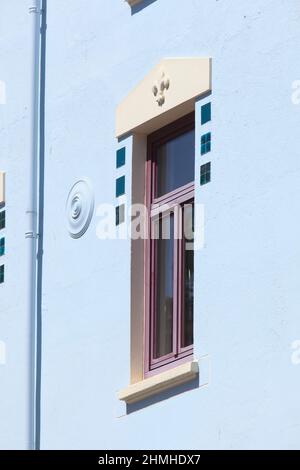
{"x": 159, "y": 383}
{"x": 167, "y": 93}
{"x": 2, "y": 188}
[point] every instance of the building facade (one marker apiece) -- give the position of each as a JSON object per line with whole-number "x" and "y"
{"x": 93, "y": 97}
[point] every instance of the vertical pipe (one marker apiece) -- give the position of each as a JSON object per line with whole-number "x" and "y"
{"x": 40, "y": 226}
{"x": 31, "y": 203}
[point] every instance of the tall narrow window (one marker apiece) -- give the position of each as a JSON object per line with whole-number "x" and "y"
{"x": 170, "y": 249}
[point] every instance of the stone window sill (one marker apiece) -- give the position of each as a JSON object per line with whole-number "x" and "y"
{"x": 159, "y": 383}
{"x": 133, "y": 2}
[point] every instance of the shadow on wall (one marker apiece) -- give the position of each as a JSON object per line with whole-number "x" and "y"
{"x": 193, "y": 384}
{"x": 140, "y": 6}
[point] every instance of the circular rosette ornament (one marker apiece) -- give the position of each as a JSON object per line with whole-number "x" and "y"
{"x": 79, "y": 208}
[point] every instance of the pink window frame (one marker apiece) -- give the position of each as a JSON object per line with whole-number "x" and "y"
{"x": 175, "y": 201}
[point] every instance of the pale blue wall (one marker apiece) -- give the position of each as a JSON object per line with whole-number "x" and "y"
{"x": 247, "y": 284}
{"x": 15, "y": 49}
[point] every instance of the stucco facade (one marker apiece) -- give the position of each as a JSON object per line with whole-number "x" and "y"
{"x": 247, "y": 295}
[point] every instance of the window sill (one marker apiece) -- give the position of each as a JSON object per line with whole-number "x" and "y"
{"x": 159, "y": 383}
{"x": 133, "y": 2}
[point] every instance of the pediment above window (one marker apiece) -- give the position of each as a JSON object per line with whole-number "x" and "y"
{"x": 167, "y": 93}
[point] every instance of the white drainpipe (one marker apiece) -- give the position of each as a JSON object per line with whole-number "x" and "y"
{"x": 31, "y": 206}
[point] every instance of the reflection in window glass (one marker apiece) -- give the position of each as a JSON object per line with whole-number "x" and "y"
{"x": 176, "y": 163}
{"x": 164, "y": 289}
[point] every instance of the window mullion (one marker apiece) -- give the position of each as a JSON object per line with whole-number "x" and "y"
{"x": 153, "y": 290}
{"x": 177, "y": 277}
{"x": 180, "y": 277}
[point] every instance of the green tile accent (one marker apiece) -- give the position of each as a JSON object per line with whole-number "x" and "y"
{"x": 121, "y": 157}
{"x": 120, "y": 186}
{"x": 205, "y": 113}
{"x": 206, "y": 143}
{"x": 2, "y": 220}
{"x": 2, "y": 246}
{"x": 205, "y": 173}
{"x": 120, "y": 214}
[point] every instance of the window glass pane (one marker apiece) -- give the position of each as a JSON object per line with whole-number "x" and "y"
{"x": 175, "y": 163}
{"x": 188, "y": 281}
{"x": 163, "y": 327}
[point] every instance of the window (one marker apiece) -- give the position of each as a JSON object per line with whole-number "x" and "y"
{"x": 170, "y": 255}
{"x": 2, "y": 246}
{"x": 2, "y": 220}
{"x": 2, "y": 274}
